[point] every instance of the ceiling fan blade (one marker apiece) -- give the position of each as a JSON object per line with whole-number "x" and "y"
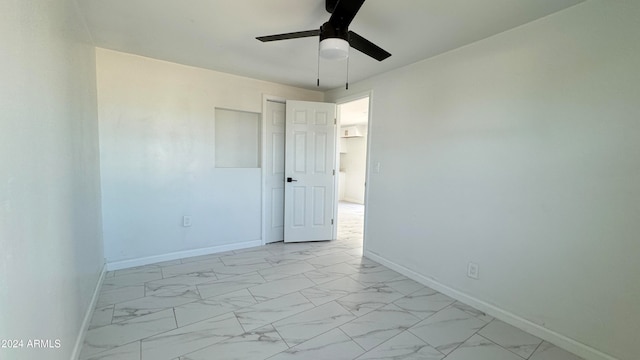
{"x": 344, "y": 12}
{"x": 367, "y": 47}
{"x": 293, "y": 35}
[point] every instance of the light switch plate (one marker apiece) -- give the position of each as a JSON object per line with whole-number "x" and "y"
{"x": 473, "y": 271}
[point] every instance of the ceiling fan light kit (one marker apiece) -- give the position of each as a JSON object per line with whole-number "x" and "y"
{"x": 335, "y": 37}
{"x": 334, "y": 49}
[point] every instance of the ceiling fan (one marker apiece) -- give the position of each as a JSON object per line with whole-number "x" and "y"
{"x": 335, "y": 36}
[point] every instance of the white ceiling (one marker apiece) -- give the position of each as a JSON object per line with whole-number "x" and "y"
{"x": 220, "y": 34}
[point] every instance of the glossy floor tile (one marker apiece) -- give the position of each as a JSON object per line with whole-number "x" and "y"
{"x": 319, "y": 300}
{"x": 378, "y": 326}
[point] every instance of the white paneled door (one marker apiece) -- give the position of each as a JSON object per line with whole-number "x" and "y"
{"x": 274, "y": 171}
{"x": 310, "y": 159}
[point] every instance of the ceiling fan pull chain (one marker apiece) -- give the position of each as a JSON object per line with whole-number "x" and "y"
{"x": 318, "y": 79}
{"x": 347, "y": 84}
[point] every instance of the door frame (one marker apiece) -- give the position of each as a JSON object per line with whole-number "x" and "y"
{"x": 340, "y": 101}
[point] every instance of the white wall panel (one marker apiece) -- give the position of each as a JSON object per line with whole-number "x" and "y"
{"x": 520, "y": 153}
{"x": 157, "y": 146}
{"x": 51, "y": 252}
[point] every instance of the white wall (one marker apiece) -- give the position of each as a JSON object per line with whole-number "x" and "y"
{"x": 51, "y": 252}
{"x": 524, "y": 157}
{"x": 158, "y": 161}
{"x": 355, "y": 166}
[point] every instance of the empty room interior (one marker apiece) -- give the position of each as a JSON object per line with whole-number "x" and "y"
{"x": 320, "y": 179}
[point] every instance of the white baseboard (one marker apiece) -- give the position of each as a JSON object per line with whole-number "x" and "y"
{"x": 125, "y": 264}
{"x": 88, "y": 315}
{"x": 562, "y": 341}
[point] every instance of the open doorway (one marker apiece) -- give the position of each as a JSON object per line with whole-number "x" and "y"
{"x": 353, "y": 138}
{"x": 349, "y": 184}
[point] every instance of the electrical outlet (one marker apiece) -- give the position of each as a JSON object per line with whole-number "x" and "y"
{"x": 186, "y": 221}
{"x": 473, "y": 271}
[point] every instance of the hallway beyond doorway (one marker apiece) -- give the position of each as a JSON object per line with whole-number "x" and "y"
{"x": 350, "y": 223}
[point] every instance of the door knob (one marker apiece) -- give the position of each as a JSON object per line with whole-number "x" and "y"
{"x": 291, "y": 179}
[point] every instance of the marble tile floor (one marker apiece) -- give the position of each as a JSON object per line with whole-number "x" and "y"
{"x": 319, "y": 300}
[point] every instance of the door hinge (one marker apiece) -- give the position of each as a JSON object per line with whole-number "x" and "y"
{"x": 334, "y": 172}
{"x": 331, "y": 221}
{"x": 335, "y": 121}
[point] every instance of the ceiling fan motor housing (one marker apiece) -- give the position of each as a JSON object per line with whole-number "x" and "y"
{"x": 329, "y": 31}
{"x": 334, "y": 42}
